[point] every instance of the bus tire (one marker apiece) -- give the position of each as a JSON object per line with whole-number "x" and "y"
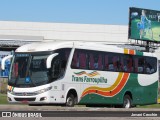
{"x": 70, "y": 101}
{"x": 127, "y": 102}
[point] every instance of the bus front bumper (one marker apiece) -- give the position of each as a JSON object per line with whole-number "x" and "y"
{"x": 43, "y": 98}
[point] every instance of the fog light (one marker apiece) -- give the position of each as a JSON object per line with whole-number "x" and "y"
{"x": 9, "y": 99}
{"x": 43, "y": 98}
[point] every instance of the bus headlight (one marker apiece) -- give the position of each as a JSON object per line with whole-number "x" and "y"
{"x": 43, "y": 90}
{"x": 30, "y": 93}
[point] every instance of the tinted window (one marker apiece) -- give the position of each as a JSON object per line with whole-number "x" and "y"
{"x": 128, "y": 63}
{"x": 150, "y": 65}
{"x": 95, "y": 61}
{"x": 107, "y": 61}
{"x": 79, "y": 60}
{"x": 58, "y": 64}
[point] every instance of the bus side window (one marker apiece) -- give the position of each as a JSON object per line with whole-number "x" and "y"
{"x": 79, "y": 60}
{"x": 141, "y": 65}
{"x": 55, "y": 69}
{"x": 130, "y": 64}
{"x": 67, "y": 52}
{"x": 153, "y": 63}
{"x": 136, "y": 65}
{"x": 116, "y": 63}
{"x": 95, "y": 61}
{"x": 65, "y": 55}
{"x": 91, "y": 62}
{"x": 106, "y": 65}
{"x": 121, "y": 64}
{"x": 100, "y": 67}
{"x": 150, "y": 65}
{"x": 82, "y": 60}
{"x": 111, "y": 65}
{"x": 75, "y": 61}
{"x": 59, "y": 63}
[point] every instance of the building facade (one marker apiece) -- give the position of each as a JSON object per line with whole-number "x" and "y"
{"x": 14, "y": 33}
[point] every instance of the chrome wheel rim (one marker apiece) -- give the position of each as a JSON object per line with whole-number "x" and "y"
{"x": 69, "y": 101}
{"x": 127, "y": 103}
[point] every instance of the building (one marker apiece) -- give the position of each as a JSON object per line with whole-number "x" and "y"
{"x": 14, "y": 33}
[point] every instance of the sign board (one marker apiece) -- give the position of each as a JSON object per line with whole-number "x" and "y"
{"x": 144, "y": 24}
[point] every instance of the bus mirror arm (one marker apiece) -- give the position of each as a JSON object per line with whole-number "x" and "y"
{"x": 49, "y": 60}
{"x": 4, "y": 60}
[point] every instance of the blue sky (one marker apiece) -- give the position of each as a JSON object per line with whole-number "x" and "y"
{"x": 72, "y": 11}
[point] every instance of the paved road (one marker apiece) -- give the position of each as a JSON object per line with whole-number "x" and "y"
{"x": 19, "y": 107}
{"x": 81, "y": 113}
{"x": 82, "y": 118}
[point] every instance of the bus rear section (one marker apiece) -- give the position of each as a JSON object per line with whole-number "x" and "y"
{"x": 121, "y": 77}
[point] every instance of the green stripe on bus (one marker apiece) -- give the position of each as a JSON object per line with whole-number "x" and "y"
{"x": 139, "y": 53}
{"x": 141, "y": 95}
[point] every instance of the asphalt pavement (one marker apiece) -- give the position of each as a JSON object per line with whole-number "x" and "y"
{"x": 79, "y": 112}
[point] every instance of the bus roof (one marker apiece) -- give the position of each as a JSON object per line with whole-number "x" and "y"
{"x": 44, "y": 46}
{"x": 53, "y": 45}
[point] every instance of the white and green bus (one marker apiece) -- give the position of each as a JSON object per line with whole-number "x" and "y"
{"x": 82, "y": 73}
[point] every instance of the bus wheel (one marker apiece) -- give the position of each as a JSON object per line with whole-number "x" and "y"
{"x": 70, "y": 101}
{"x": 127, "y": 102}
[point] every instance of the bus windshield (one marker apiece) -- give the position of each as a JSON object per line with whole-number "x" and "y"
{"x": 29, "y": 70}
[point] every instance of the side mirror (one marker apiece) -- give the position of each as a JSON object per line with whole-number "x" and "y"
{"x": 4, "y": 60}
{"x": 49, "y": 60}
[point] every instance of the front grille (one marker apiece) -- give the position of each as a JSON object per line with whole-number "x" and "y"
{"x": 25, "y": 99}
{"x": 24, "y": 94}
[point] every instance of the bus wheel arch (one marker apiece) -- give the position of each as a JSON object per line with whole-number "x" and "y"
{"x": 127, "y": 100}
{"x": 71, "y": 98}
